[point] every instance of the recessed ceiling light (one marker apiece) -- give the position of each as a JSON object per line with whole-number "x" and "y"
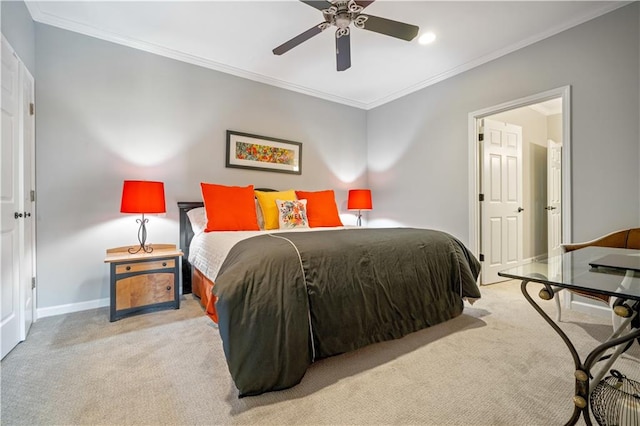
{"x": 427, "y": 38}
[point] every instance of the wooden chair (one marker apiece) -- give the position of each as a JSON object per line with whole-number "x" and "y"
{"x": 628, "y": 238}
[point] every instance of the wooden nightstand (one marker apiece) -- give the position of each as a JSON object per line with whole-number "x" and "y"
{"x": 143, "y": 282}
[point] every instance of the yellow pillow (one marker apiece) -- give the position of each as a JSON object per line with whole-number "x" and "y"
{"x": 267, "y": 201}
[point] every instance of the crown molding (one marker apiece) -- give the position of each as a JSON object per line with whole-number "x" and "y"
{"x": 497, "y": 54}
{"x": 42, "y": 17}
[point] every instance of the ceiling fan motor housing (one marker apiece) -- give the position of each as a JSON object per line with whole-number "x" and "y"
{"x": 342, "y": 12}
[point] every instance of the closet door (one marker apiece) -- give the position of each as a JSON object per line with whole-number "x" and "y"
{"x": 10, "y": 200}
{"x": 17, "y": 179}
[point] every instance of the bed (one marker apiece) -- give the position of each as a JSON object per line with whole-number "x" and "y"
{"x": 285, "y": 299}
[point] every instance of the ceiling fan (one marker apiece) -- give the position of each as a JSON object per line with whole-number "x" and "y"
{"x": 341, "y": 13}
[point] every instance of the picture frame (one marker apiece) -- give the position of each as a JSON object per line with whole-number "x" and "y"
{"x": 255, "y": 152}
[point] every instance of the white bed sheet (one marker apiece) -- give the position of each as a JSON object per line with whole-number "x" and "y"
{"x": 208, "y": 250}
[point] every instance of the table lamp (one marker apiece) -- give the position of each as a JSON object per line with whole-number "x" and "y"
{"x": 359, "y": 199}
{"x": 140, "y": 196}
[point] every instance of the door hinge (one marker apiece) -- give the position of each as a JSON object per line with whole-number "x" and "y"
{"x": 33, "y": 283}
{"x": 480, "y": 197}
{"x": 481, "y": 256}
{"x": 480, "y": 137}
{"x": 32, "y": 109}
{"x": 32, "y": 194}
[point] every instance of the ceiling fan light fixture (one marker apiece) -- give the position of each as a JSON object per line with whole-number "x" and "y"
{"x": 342, "y": 32}
{"x": 359, "y": 21}
{"x": 330, "y": 11}
{"x": 343, "y": 20}
{"x": 354, "y": 7}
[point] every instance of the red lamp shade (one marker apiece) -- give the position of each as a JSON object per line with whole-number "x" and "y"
{"x": 141, "y": 196}
{"x": 359, "y": 199}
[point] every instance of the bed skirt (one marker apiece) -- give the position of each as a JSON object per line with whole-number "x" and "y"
{"x": 201, "y": 287}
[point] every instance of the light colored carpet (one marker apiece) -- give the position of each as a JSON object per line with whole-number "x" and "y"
{"x": 497, "y": 364}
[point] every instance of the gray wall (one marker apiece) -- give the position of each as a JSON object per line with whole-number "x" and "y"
{"x": 108, "y": 113}
{"x": 18, "y": 28}
{"x": 418, "y": 145}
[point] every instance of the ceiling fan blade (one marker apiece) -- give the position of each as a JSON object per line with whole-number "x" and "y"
{"x": 318, "y": 4}
{"x": 390, "y": 28}
{"x": 286, "y": 46}
{"x": 343, "y": 51}
{"x": 364, "y": 3}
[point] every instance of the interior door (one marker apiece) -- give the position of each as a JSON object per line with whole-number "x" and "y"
{"x": 501, "y": 210}
{"x": 10, "y": 202}
{"x": 554, "y": 197}
{"x": 27, "y": 238}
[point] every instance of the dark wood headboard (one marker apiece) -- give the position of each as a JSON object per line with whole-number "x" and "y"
{"x": 186, "y": 234}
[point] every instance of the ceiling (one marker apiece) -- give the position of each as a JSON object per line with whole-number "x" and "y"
{"x": 237, "y": 37}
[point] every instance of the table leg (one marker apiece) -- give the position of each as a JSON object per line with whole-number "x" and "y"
{"x": 582, "y": 370}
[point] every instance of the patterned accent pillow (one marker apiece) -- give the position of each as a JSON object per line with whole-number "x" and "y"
{"x": 292, "y": 214}
{"x": 267, "y": 202}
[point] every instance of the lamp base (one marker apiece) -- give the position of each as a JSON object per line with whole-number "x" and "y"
{"x": 359, "y": 221}
{"x": 142, "y": 238}
{"x": 143, "y": 248}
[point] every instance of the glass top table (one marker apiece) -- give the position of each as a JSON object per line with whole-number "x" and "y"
{"x": 573, "y": 271}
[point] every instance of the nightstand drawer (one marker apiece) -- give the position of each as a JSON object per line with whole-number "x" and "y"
{"x": 146, "y": 289}
{"x": 145, "y": 266}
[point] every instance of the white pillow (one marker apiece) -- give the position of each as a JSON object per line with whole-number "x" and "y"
{"x": 198, "y": 219}
{"x": 292, "y": 214}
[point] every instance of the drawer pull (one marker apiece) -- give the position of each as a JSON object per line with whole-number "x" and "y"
{"x": 168, "y": 287}
{"x": 128, "y": 268}
{"x": 164, "y": 263}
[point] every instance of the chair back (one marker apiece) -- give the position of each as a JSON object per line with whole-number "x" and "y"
{"x": 628, "y": 238}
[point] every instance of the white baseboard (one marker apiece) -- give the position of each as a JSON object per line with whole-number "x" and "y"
{"x": 71, "y": 307}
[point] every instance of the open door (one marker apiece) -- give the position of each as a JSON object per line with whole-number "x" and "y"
{"x": 501, "y": 211}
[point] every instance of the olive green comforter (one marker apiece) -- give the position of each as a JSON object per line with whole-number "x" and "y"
{"x": 288, "y": 299}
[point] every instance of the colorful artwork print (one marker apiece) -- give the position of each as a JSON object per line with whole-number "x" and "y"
{"x": 265, "y": 154}
{"x": 292, "y": 214}
{"x": 255, "y": 152}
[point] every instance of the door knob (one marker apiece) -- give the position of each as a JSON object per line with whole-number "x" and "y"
{"x": 27, "y": 214}
{"x": 549, "y": 208}
{"x": 17, "y": 215}
{"x": 520, "y": 209}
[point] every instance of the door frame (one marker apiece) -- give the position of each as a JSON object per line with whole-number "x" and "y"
{"x": 474, "y": 158}
{"x": 29, "y": 289}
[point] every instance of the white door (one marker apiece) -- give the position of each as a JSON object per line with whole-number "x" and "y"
{"x": 10, "y": 202}
{"x": 27, "y": 239}
{"x": 501, "y": 210}
{"x": 554, "y": 197}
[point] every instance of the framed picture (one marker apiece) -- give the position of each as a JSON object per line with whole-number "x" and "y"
{"x": 246, "y": 151}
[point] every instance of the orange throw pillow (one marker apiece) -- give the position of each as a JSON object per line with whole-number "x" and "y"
{"x": 229, "y": 208}
{"x": 321, "y": 208}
